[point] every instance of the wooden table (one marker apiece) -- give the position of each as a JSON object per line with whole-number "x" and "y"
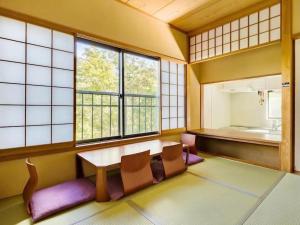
{"x": 110, "y": 158}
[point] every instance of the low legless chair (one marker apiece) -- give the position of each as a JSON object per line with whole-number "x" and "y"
{"x": 189, "y": 145}
{"x": 172, "y": 160}
{"x": 171, "y": 163}
{"x": 48, "y": 201}
{"x": 135, "y": 174}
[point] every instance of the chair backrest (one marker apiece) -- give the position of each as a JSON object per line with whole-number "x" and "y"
{"x": 172, "y": 160}
{"x": 190, "y": 140}
{"x": 136, "y": 171}
{"x": 30, "y": 185}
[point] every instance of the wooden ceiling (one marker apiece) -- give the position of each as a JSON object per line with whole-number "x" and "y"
{"x": 188, "y": 15}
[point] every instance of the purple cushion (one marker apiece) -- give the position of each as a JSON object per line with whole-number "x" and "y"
{"x": 158, "y": 172}
{"x": 193, "y": 159}
{"x": 51, "y": 200}
{"x": 115, "y": 187}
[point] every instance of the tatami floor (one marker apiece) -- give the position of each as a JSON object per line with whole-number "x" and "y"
{"x": 216, "y": 192}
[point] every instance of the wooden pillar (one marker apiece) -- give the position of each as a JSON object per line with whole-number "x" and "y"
{"x": 287, "y": 146}
{"x": 193, "y": 97}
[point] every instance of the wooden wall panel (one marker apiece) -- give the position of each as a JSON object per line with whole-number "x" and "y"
{"x": 286, "y": 147}
{"x": 254, "y": 63}
{"x": 108, "y": 21}
{"x": 193, "y": 97}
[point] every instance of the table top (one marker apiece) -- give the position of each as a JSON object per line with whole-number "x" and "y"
{"x": 109, "y": 157}
{"x": 266, "y": 139}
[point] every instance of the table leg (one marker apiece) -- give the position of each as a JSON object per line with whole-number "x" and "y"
{"x": 101, "y": 185}
{"x": 79, "y": 168}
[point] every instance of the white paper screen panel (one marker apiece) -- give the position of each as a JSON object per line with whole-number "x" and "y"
{"x": 255, "y": 29}
{"x": 172, "y": 93}
{"x": 297, "y": 104}
{"x": 36, "y": 85}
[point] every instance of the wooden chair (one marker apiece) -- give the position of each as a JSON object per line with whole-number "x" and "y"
{"x": 48, "y": 201}
{"x": 189, "y": 140}
{"x": 136, "y": 171}
{"x": 135, "y": 174}
{"x": 30, "y": 185}
{"x": 190, "y": 150}
{"x": 172, "y": 160}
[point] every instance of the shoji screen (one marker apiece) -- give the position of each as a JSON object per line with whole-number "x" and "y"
{"x": 297, "y": 105}
{"x": 258, "y": 28}
{"x": 36, "y": 85}
{"x": 173, "y": 95}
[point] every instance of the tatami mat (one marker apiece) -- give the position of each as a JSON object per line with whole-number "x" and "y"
{"x": 188, "y": 199}
{"x": 120, "y": 214}
{"x": 217, "y": 192}
{"x": 281, "y": 206}
{"x": 249, "y": 178}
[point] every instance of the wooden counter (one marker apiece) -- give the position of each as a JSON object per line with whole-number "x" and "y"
{"x": 239, "y": 136}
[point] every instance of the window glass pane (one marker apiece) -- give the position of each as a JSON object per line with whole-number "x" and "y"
{"x": 12, "y": 51}
{"x": 12, "y": 72}
{"x": 38, "y": 135}
{"x": 12, "y": 137}
{"x": 97, "y": 81}
{"x": 173, "y": 123}
{"x": 173, "y": 78}
{"x": 180, "y": 111}
{"x": 63, "y": 78}
{"x": 165, "y": 66}
{"x": 173, "y": 112}
{"x": 38, "y": 55}
{"x": 64, "y": 60}
{"x": 173, "y": 89}
{"x": 180, "y": 101}
{"x": 63, "y": 41}
{"x": 62, "y": 114}
{"x": 37, "y": 95}
{"x": 173, "y": 67}
{"x": 141, "y": 79}
{"x": 181, "y": 122}
{"x": 12, "y": 94}
{"x": 62, "y": 133}
{"x": 165, "y": 77}
{"x": 165, "y": 89}
{"x": 12, "y": 116}
{"x": 62, "y": 96}
{"x": 165, "y": 100}
{"x": 38, "y": 115}
{"x": 180, "y": 69}
{"x": 165, "y": 112}
{"x": 180, "y": 79}
{"x": 165, "y": 124}
{"x": 173, "y": 100}
{"x": 12, "y": 29}
{"x": 38, "y": 35}
{"x": 275, "y": 10}
{"x": 38, "y": 75}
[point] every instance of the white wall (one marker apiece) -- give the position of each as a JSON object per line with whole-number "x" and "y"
{"x": 220, "y": 108}
{"x": 297, "y": 105}
{"x": 217, "y": 107}
{"x": 246, "y": 110}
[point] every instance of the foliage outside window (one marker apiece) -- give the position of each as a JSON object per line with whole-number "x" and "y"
{"x": 117, "y": 93}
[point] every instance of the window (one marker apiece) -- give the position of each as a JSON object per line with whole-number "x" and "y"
{"x": 36, "y": 85}
{"x": 117, "y": 93}
{"x": 274, "y": 105}
{"x": 255, "y": 29}
{"x": 173, "y": 95}
{"x": 141, "y": 91}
